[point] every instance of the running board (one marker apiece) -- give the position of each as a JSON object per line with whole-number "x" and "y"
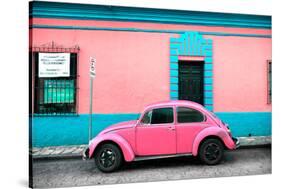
{"x": 142, "y": 158}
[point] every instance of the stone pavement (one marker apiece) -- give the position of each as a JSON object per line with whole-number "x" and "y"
{"x": 76, "y": 150}
{"x": 76, "y": 172}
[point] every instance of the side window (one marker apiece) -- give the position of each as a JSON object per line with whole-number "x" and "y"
{"x": 269, "y": 82}
{"x": 146, "y": 118}
{"x": 162, "y": 115}
{"x": 188, "y": 115}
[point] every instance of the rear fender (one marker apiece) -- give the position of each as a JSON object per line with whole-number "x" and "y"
{"x": 126, "y": 148}
{"x": 215, "y": 132}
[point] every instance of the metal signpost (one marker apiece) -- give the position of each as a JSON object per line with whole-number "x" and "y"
{"x": 92, "y": 76}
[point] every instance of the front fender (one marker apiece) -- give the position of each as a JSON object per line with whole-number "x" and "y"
{"x": 126, "y": 148}
{"x": 212, "y": 131}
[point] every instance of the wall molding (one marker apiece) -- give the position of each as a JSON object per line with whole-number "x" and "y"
{"x": 48, "y": 131}
{"x": 134, "y": 14}
{"x": 68, "y": 27}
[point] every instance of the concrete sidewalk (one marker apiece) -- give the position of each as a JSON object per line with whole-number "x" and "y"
{"x": 76, "y": 150}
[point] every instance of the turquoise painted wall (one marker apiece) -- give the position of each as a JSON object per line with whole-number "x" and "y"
{"x": 247, "y": 123}
{"x": 73, "y": 130}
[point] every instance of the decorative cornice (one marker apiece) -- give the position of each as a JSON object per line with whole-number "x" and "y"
{"x": 133, "y": 14}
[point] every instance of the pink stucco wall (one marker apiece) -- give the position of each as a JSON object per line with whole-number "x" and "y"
{"x": 240, "y": 73}
{"x": 133, "y": 67}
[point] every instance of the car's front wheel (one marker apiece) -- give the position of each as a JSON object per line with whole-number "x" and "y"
{"x": 108, "y": 158}
{"x": 211, "y": 151}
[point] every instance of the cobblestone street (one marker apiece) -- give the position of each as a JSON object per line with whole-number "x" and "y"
{"x": 75, "y": 172}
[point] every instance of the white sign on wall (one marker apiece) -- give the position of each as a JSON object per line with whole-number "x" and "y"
{"x": 92, "y": 67}
{"x": 54, "y": 64}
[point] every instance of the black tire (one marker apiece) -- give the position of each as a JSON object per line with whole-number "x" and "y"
{"x": 108, "y": 158}
{"x": 211, "y": 151}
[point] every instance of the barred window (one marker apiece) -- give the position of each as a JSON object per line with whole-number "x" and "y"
{"x": 269, "y": 81}
{"x": 55, "y": 95}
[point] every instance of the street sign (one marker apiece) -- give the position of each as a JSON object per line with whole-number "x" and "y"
{"x": 92, "y": 67}
{"x": 92, "y": 76}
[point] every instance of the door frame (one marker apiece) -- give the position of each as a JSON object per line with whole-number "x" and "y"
{"x": 193, "y": 46}
{"x": 192, "y": 62}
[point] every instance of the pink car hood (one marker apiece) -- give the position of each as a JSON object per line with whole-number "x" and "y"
{"x": 121, "y": 125}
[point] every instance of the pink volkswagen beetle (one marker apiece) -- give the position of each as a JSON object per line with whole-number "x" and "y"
{"x": 165, "y": 129}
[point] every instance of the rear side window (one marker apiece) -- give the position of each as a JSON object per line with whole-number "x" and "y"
{"x": 189, "y": 115}
{"x": 162, "y": 115}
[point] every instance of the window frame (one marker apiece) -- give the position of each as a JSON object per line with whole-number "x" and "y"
{"x": 143, "y": 118}
{"x": 151, "y": 109}
{"x": 72, "y": 78}
{"x": 204, "y": 116}
{"x": 269, "y": 81}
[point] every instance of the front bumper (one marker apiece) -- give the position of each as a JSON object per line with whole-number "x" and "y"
{"x": 85, "y": 154}
{"x": 236, "y": 141}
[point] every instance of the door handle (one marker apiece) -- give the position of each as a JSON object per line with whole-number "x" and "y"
{"x": 171, "y": 128}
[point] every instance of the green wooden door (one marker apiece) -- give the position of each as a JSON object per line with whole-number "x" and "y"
{"x": 191, "y": 81}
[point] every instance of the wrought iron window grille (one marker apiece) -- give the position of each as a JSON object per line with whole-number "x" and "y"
{"x": 54, "y": 96}
{"x": 269, "y": 82}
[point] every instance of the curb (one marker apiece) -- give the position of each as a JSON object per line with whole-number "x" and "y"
{"x": 255, "y": 141}
{"x": 255, "y": 146}
{"x": 56, "y": 157}
{"x": 42, "y": 153}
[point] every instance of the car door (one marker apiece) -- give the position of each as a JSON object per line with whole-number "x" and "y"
{"x": 155, "y": 135}
{"x": 189, "y": 124}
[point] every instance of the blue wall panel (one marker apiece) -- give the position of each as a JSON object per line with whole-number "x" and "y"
{"x": 208, "y": 73}
{"x": 208, "y": 60}
{"x": 247, "y": 123}
{"x": 208, "y": 66}
{"x": 175, "y": 46}
{"x": 174, "y": 87}
{"x": 174, "y": 66}
{"x": 56, "y": 131}
{"x": 208, "y": 95}
{"x": 174, "y": 94}
{"x": 174, "y": 73}
{"x": 173, "y": 52}
{"x": 208, "y": 101}
{"x": 174, "y": 80}
{"x": 208, "y": 87}
{"x": 208, "y": 81}
{"x": 174, "y": 59}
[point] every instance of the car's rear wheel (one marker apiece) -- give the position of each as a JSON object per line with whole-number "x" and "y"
{"x": 108, "y": 158}
{"x": 211, "y": 151}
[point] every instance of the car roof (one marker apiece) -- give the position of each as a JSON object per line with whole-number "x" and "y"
{"x": 175, "y": 102}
